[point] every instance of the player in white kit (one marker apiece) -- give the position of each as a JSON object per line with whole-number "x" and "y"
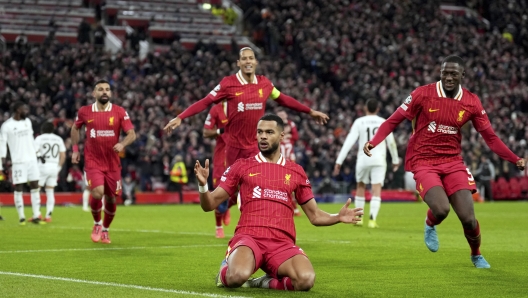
{"x": 53, "y": 152}
{"x": 369, "y": 170}
{"x": 17, "y": 133}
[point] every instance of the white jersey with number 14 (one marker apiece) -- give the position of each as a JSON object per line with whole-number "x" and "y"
{"x": 364, "y": 129}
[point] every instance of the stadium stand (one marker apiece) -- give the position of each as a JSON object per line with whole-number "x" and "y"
{"x": 330, "y": 56}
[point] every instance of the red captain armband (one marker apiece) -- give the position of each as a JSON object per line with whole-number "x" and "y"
{"x": 75, "y": 148}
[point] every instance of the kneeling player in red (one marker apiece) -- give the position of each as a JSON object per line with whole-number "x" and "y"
{"x": 265, "y": 235}
{"x": 102, "y": 165}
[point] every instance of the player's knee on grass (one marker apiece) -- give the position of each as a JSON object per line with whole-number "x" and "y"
{"x": 304, "y": 281}
{"x": 237, "y": 276}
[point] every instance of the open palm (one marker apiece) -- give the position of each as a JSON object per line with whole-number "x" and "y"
{"x": 201, "y": 173}
{"x": 347, "y": 215}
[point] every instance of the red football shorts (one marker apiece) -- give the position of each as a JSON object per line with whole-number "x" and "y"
{"x": 111, "y": 180}
{"x": 269, "y": 253}
{"x": 452, "y": 177}
{"x": 233, "y": 154}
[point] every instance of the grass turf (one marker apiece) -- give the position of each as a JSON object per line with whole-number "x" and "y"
{"x": 170, "y": 251}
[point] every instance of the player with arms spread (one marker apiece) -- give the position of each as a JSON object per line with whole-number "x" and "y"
{"x": 438, "y": 112}
{"x": 369, "y": 170}
{"x": 17, "y": 134}
{"x": 104, "y": 122}
{"x": 265, "y": 235}
{"x": 246, "y": 94}
{"x": 53, "y": 151}
{"x": 214, "y": 128}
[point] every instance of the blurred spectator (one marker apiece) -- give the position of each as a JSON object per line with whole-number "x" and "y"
{"x": 129, "y": 191}
{"x": 84, "y": 31}
{"x": 178, "y": 176}
{"x": 75, "y": 179}
{"x": 145, "y": 174}
{"x": 485, "y": 174}
{"x": 99, "y": 35}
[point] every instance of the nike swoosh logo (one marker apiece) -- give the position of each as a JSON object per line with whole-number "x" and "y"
{"x": 253, "y": 174}
{"x": 432, "y": 111}
{"x": 471, "y": 183}
{"x": 239, "y": 93}
{"x": 89, "y": 121}
{"x": 224, "y": 121}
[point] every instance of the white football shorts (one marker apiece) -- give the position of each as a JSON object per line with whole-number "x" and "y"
{"x": 371, "y": 174}
{"x": 49, "y": 175}
{"x": 25, "y": 172}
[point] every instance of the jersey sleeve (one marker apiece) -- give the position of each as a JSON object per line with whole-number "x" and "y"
{"x": 231, "y": 178}
{"x": 480, "y": 118}
{"x": 411, "y": 105}
{"x": 79, "y": 120}
{"x": 351, "y": 139}
{"x": 126, "y": 124}
{"x": 393, "y": 148}
{"x": 210, "y": 121}
{"x": 62, "y": 147}
{"x": 3, "y": 143}
{"x": 219, "y": 93}
{"x": 303, "y": 192}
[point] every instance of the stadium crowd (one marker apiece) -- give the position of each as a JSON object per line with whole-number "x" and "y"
{"x": 330, "y": 55}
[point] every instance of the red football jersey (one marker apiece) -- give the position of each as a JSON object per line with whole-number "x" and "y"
{"x": 246, "y": 103}
{"x": 266, "y": 195}
{"x": 287, "y": 143}
{"x": 102, "y": 133}
{"x": 437, "y": 121}
{"x": 217, "y": 119}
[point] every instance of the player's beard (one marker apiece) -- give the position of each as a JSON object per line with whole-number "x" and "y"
{"x": 102, "y": 100}
{"x": 23, "y": 116}
{"x": 270, "y": 149}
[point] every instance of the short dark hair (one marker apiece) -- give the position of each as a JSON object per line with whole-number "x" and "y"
{"x": 101, "y": 81}
{"x": 454, "y": 59}
{"x": 47, "y": 127}
{"x": 372, "y": 105}
{"x": 17, "y": 105}
{"x": 273, "y": 117}
{"x": 244, "y": 49}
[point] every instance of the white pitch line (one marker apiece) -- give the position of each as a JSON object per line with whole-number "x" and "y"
{"x": 105, "y": 248}
{"x": 199, "y": 234}
{"x": 120, "y": 285}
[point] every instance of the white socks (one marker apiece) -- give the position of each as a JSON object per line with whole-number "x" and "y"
{"x": 50, "y": 201}
{"x": 359, "y": 202}
{"x": 375, "y": 204}
{"x": 86, "y": 199}
{"x": 35, "y": 202}
{"x": 19, "y": 204}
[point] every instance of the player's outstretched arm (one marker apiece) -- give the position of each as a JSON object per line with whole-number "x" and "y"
{"x": 208, "y": 200}
{"x": 192, "y": 110}
{"x": 75, "y": 135}
{"x": 383, "y": 131}
{"x": 319, "y": 217}
{"x": 292, "y": 103}
{"x": 496, "y": 145}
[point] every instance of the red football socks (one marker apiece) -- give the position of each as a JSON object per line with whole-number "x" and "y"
{"x": 431, "y": 219}
{"x": 218, "y": 217}
{"x": 96, "y": 205}
{"x": 283, "y": 284}
{"x": 109, "y": 213}
{"x": 473, "y": 238}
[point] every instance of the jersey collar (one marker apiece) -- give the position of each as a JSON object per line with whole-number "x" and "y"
{"x": 107, "y": 109}
{"x": 260, "y": 158}
{"x": 243, "y": 81}
{"x": 440, "y": 91}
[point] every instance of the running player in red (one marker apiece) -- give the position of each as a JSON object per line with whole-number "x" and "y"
{"x": 265, "y": 235}
{"x": 104, "y": 122}
{"x": 438, "y": 112}
{"x": 214, "y": 128}
{"x": 291, "y": 135}
{"x": 246, "y": 94}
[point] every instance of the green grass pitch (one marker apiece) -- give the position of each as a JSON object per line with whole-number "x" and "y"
{"x": 170, "y": 251}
